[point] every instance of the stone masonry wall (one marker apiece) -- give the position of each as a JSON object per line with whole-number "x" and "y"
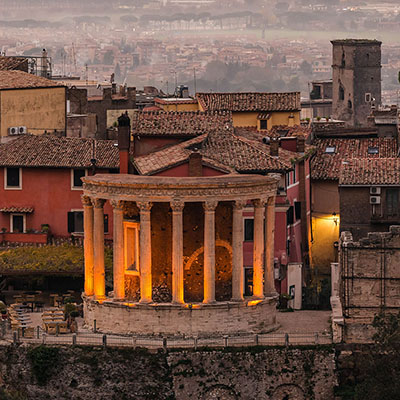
{"x": 106, "y": 374}
{"x": 369, "y": 280}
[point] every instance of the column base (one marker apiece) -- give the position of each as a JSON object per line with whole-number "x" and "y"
{"x": 209, "y": 301}
{"x": 145, "y": 301}
{"x": 101, "y": 297}
{"x": 237, "y": 300}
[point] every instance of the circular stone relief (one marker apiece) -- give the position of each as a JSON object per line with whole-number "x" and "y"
{"x": 288, "y": 392}
{"x": 220, "y": 393}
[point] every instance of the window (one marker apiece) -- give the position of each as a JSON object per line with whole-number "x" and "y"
{"x": 297, "y": 209}
{"x": 13, "y": 178}
{"x": 287, "y": 176}
{"x": 76, "y": 175}
{"x": 17, "y": 223}
{"x": 349, "y": 104}
{"x": 392, "y": 202}
{"x": 341, "y": 93}
{"x": 294, "y": 175}
{"x": 263, "y": 124}
{"x": 368, "y": 97}
{"x": 75, "y": 222}
{"x": 248, "y": 229}
{"x": 330, "y": 149}
{"x": 373, "y": 150}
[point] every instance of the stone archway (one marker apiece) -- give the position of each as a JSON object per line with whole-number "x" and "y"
{"x": 220, "y": 392}
{"x": 288, "y": 392}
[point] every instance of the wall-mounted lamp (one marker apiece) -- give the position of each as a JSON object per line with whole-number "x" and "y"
{"x": 335, "y": 218}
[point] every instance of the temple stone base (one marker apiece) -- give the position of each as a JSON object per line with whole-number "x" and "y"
{"x": 222, "y": 318}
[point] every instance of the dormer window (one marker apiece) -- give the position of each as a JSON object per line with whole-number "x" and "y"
{"x": 330, "y": 149}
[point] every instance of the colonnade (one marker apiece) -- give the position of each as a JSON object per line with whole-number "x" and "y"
{"x": 263, "y": 254}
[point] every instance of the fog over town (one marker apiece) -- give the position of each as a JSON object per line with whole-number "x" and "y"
{"x": 208, "y": 45}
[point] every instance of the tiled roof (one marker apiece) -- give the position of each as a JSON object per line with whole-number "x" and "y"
{"x": 378, "y": 171}
{"x": 256, "y": 102}
{"x": 55, "y": 152}
{"x": 289, "y": 131}
{"x": 327, "y": 166}
{"x": 222, "y": 150}
{"x": 171, "y": 101}
{"x": 152, "y": 163}
{"x": 23, "y": 80}
{"x": 11, "y": 63}
{"x": 20, "y": 209}
{"x": 183, "y": 123}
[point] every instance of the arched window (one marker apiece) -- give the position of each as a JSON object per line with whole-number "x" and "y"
{"x": 343, "y": 60}
{"x": 349, "y": 104}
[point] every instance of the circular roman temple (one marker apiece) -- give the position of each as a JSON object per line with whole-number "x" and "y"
{"x": 178, "y": 255}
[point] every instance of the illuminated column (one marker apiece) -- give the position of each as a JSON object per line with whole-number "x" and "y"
{"x": 258, "y": 250}
{"x": 118, "y": 249}
{"x": 269, "y": 246}
{"x": 98, "y": 241}
{"x": 145, "y": 252}
{"x": 88, "y": 244}
{"x": 177, "y": 251}
{"x": 209, "y": 251}
{"x": 237, "y": 250}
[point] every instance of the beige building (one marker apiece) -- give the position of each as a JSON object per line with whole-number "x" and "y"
{"x": 29, "y": 103}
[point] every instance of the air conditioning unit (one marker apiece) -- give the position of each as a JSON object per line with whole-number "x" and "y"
{"x": 375, "y": 190}
{"x": 375, "y": 200}
{"x": 22, "y": 130}
{"x": 13, "y": 130}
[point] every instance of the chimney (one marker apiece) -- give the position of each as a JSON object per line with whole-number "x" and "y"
{"x": 124, "y": 138}
{"x": 274, "y": 147}
{"x": 114, "y": 88}
{"x": 131, "y": 93}
{"x": 122, "y": 90}
{"x": 107, "y": 93}
{"x": 301, "y": 144}
{"x": 195, "y": 164}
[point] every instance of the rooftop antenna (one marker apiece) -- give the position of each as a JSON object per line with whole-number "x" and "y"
{"x": 194, "y": 79}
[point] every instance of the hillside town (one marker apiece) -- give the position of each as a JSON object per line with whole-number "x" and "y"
{"x": 173, "y": 197}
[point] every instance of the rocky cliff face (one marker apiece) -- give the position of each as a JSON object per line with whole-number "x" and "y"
{"x": 40, "y": 373}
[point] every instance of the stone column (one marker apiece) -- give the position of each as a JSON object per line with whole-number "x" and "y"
{"x": 258, "y": 249}
{"x": 177, "y": 251}
{"x": 146, "y": 286}
{"x": 98, "y": 241}
{"x": 209, "y": 251}
{"x": 237, "y": 250}
{"x": 88, "y": 244}
{"x": 269, "y": 246}
{"x": 118, "y": 250}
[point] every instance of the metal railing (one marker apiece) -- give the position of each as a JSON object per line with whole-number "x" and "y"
{"x": 109, "y": 340}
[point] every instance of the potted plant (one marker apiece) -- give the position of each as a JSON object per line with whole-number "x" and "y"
{"x": 45, "y": 228}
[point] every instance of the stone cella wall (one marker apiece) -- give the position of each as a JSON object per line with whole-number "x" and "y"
{"x": 176, "y": 320}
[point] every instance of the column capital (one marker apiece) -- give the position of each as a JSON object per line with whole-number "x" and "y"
{"x": 239, "y": 204}
{"x": 271, "y": 201}
{"x": 117, "y": 205}
{"x": 98, "y": 203}
{"x": 258, "y": 203}
{"x": 86, "y": 201}
{"x": 210, "y": 205}
{"x": 144, "y": 206}
{"x": 177, "y": 205}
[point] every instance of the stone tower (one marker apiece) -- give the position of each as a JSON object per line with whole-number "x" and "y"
{"x": 356, "y": 79}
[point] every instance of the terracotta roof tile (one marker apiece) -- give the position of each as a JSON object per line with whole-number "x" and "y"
{"x": 23, "y": 80}
{"x": 256, "y": 102}
{"x": 378, "y": 171}
{"x": 11, "y": 63}
{"x": 184, "y": 123}
{"x": 51, "y": 151}
{"x": 327, "y": 166}
{"x": 20, "y": 209}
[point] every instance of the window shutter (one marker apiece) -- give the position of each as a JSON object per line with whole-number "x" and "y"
{"x": 71, "y": 222}
{"x": 290, "y": 216}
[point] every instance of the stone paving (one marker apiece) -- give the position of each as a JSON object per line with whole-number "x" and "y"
{"x": 304, "y": 321}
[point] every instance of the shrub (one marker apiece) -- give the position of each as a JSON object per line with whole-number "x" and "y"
{"x": 43, "y": 360}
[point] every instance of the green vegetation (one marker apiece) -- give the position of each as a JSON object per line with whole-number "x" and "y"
{"x": 65, "y": 259}
{"x": 43, "y": 360}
